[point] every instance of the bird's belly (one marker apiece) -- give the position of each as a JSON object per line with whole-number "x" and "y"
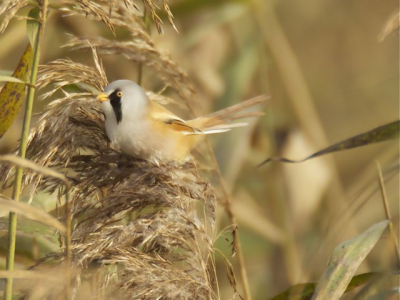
{"x": 141, "y": 140}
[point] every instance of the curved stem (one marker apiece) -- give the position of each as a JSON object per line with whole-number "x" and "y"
{"x": 237, "y": 247}
{"x": 22, "y": 152}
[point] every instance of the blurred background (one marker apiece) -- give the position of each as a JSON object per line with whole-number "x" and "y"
{"x": 329, "y": 75}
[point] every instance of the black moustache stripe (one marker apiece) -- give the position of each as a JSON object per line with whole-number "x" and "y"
{"x": 116, "y": 105}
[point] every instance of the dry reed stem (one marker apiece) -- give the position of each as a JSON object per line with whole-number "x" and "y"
{"x": 236, "y": 246}
{"x": 387, "y": 213}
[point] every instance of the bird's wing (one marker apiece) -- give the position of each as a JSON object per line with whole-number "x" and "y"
{"x": 162, "y": 115}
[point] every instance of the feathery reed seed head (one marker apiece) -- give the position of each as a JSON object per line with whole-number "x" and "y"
{"x": 153, "y": 221}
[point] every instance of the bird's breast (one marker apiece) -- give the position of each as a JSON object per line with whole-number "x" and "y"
{"x": 146, "y": 139}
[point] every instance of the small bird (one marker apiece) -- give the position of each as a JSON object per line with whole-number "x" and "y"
{"x": 142, "y": 128}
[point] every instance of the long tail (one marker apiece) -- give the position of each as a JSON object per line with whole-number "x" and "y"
{"x": 220, "y": 121}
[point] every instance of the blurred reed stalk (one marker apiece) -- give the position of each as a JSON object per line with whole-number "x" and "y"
{"x": 387, "y": 213}
{"x": 237, "y": 248}
{"x": 12, "y": 232}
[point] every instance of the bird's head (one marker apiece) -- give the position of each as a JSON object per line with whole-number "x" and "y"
{"x": 123, "y": 99}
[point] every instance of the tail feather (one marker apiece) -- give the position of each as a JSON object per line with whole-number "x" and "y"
{"x": 247, "y": 115}
{"x": 222, "y": 117}
{"x": 216, "y": 129}
{"x": 212, "y": 131}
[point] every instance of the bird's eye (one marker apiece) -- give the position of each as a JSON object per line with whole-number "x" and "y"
{"x": 119, "y": 94}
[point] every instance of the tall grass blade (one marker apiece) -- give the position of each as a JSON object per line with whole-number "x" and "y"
{"x": 32, "y": 25}
{"x": 304, "y": 291}
{"x": 11, "y": 79}
{"x": 344, "y": 262}
{"x": 379, "y": 134}
{"x": 30, "y": 212}
{"x": 22, "y": 152}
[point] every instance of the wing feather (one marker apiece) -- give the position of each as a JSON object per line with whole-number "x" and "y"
{"x": 180, "y": 125}
{"x": 164, "y": 116}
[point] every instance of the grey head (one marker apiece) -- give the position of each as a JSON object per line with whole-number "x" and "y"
{"x": 127, "y": 99}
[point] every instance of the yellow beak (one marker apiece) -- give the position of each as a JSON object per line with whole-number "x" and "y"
{"x": 102, "y": 97}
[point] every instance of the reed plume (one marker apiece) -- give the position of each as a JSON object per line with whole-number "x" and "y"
{"x": 140, "y": 229}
